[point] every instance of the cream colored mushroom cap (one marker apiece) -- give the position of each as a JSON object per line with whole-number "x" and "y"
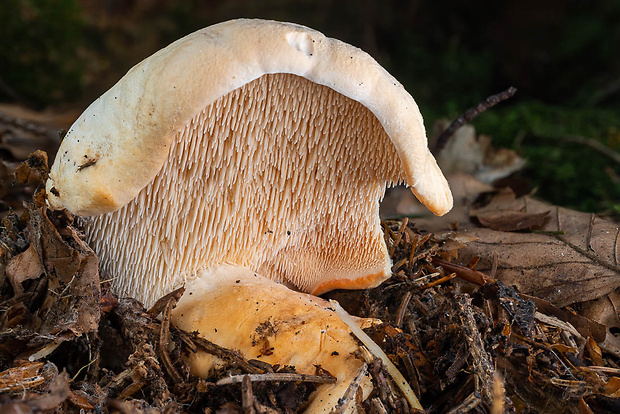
{"x": 105, "y": 160}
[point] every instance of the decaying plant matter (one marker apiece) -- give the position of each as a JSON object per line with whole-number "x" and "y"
{"x": 464, "y": 342}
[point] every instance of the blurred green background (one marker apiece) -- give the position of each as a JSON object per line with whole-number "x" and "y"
{"x": 563, "y": 56}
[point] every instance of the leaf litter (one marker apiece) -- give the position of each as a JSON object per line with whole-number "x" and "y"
{"x": 465, "y": 334}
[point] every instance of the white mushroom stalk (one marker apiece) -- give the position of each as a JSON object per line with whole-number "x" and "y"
{"x": 260, "y": 145}
{"x": 372, "y": 346}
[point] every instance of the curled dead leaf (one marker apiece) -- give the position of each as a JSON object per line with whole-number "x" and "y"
{"x": 512, "y": 220}
{"x": 574, "y": 257}
{"x": 24, "y": 266}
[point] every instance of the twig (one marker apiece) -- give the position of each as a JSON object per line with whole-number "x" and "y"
{"x": 471, "y": 402}
{"x": 400, "y": 314}
{"x": 470, "y": 114}
{"x": 277, "y": 376}
{"x": 226, "y": 354}
{"x": 247, "y": 396}
{"x": 607, "y": 370}
{"x": 481, "y": 361}
{"x": 464, "y": 272}
{"x": 349, "y": 395}
{"x": 164, "y": 336}
{"x": 499, "y": 395}
{"x": 399, "y": 235}
{"x": 439, "y": 281}
{"x": 419, "y": 242}
{"x": 162, "y": 302}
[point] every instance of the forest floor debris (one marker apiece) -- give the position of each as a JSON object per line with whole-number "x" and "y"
{"x": 464, "y": 341}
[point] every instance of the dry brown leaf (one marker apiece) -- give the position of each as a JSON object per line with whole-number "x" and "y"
{"x": 612, "y": 388}
{"x": 73, "y": 297}
{"x": 24, "y": 266}
{"x": 512, "y": 220}
{"x": 474, "y": 155}
{"x": 606, "y": 311}
{"x": 574, "y": 259}
{"x": 595, "y": 353}
{"x": 64, "y": 300}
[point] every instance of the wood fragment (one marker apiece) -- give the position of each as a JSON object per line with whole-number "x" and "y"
{"x": 438, "y": 281}
{"x": 481, "y": 360}
{"x": 400, "y": 313}
{"x": 459, "y": 362}
{"x": 399, "y": 235}
{"x": 468, "y": 116}
{"x": 412, "y": 372}
{"x": 464, "y": 272}
{"x": 494, "y": 265}
{"x": 226, "y": 354}
{"x": 350, "y": 393}
{"x": 162, "y": 302}
{"x": 385, "y": 390}
{"x": 377, "y": 406}
{"x": 277, "y": 376}
{"x": 185, "y": 338}
{"x": 471, "y": 402}
{"x": 421, "y": 281}
{"x": 22, "y": 377}
{"x": 499, "y": 395}
{"x": 247, "y": 396}
{"x": 399, "y": 264}
{"x": 164, "y": 337}
{"x": 553, "y": 321}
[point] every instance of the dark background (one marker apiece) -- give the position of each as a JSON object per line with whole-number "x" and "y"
{"x": 563, "y": 56}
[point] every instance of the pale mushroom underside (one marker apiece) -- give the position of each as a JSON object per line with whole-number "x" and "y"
{"x": 282, "y": 176}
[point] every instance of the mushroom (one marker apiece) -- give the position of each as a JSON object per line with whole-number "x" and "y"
{"x": 240, "y": 309}
{"x": 260, "y": 144}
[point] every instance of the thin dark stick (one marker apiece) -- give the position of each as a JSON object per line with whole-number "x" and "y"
{"x": 247, "y": 396}
{"x": 276, "y": 376}
{"x": 349, "y": 395}
{"x": 162, "y": 302}
{"x": 226, "y": 354}
{"x": 400, "y": 314}
{"x": 164, "y": 335}
{"x": 470, "y": 114}
{"x": 463, "y": 272}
